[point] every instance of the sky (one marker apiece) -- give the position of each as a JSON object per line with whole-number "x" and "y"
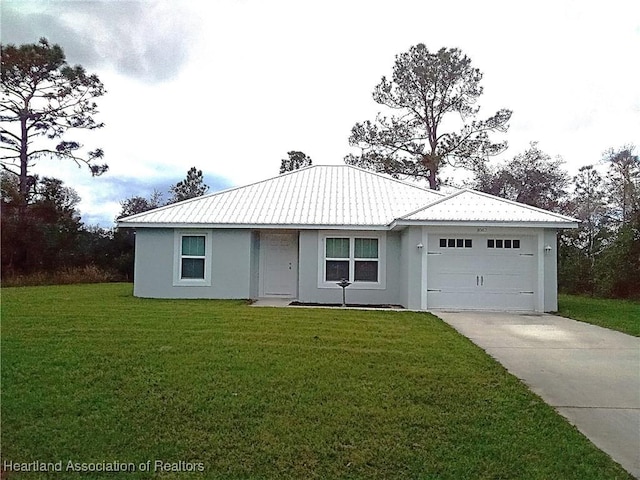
{"x": 230, "y": 86}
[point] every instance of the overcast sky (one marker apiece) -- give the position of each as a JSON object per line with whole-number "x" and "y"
{"x": 230, "y": 86}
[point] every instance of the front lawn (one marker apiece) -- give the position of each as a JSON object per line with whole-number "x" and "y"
{"x": 621, "y": 315}
{"x": 94, "y": 376}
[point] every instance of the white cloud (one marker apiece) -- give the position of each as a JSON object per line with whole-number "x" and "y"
{"x": 231, "y": 86}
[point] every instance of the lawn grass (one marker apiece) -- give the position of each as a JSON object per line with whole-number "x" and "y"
{"x": 92, "y": 374}
{"x": 621, "y": 315}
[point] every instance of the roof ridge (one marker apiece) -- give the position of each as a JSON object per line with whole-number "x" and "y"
{"x": 384, "y": 176}
{"x": 429, "y": 205}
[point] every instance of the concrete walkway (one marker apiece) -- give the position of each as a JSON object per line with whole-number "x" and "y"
{"x": 591, "y": 375}
{"x": 272, "y": 302}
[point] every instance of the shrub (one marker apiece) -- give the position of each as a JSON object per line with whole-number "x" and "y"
{"x": 67, "y": 276}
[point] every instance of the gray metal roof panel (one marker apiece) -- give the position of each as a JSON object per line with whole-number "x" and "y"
{"x": 317, "y": 195}
{"x": 470, "y": 205}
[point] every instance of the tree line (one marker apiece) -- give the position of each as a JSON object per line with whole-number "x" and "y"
{"x": 431, "y": 124}
{"x": 43, "y": 232}
{"x": 601, "y": 257}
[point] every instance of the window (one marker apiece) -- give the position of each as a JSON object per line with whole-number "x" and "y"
{"x": 337, "y": 259}
{"x": 365, "y": 260}
{"x": 344, "y": 256}
{"x": 355, "y": 257}
{"x": 192, "y": 258}
{"x": 456, "y": 243}
{"x": 503, "y": 243}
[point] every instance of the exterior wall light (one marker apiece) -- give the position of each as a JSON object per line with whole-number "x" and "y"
{"x": 547, "y": 248}
{"x": 419, "y": 246}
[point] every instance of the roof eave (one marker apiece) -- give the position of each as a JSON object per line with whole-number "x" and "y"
{"x": 396, "y": 224}
{"x": 481, "y": 223}
{"x": 251, "y": 226}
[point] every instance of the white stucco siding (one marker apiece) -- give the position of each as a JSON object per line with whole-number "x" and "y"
{"x": 414, "y": 277}
{"x": 550, "y": 270}
{"x": 230, "y": 262}
{"x": 411, "y": 271}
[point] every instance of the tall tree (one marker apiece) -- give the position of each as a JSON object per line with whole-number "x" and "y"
{"x": 295, "y": 161}
{"x": 191, "y": 187}
{"x": 623, "y": 182}
{"x": 43, "y": 98}
{"x": 618, "y": 265}
{"x": 532, "y": 177}
{"x": 579, "y": 248}
{"x": 589, "y": 206}
{"x": 428, "y": 90}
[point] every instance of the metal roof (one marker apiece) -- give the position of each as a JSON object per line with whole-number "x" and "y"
{"x": 327, "y": 196}
{"x": 342, "y": 196}
{"x": 472, "y": 206}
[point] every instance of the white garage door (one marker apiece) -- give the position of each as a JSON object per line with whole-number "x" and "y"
{"x": 481, "y": 272}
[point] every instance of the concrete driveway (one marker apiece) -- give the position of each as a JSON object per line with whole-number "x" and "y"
{"x": 591, "y": 375}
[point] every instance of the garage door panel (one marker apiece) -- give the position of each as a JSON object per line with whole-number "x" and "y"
{"x": 505, "y": 282}
{"x": 451, "y": 281}
{"x": 481, "y": 277}
{"x": 493, "y": 265}
{"x": 477, "y": 301}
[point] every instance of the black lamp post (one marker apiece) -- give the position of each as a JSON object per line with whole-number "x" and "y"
{"x": 344, "y": 283}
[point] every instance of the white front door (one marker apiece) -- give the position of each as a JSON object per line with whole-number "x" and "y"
{"x": 481, "y": 272}
{"x": 279, "y": 264}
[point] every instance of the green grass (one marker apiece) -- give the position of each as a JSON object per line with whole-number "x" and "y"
{"x": 92, "y": 374}
{"x": 621, "y": 315}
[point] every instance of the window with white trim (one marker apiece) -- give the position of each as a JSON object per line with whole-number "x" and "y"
{"x": 192, "y": 258}
{"x": 365, "y": 260}
{"x": 356, "y": 259}
{"x": 337, "y": 259}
